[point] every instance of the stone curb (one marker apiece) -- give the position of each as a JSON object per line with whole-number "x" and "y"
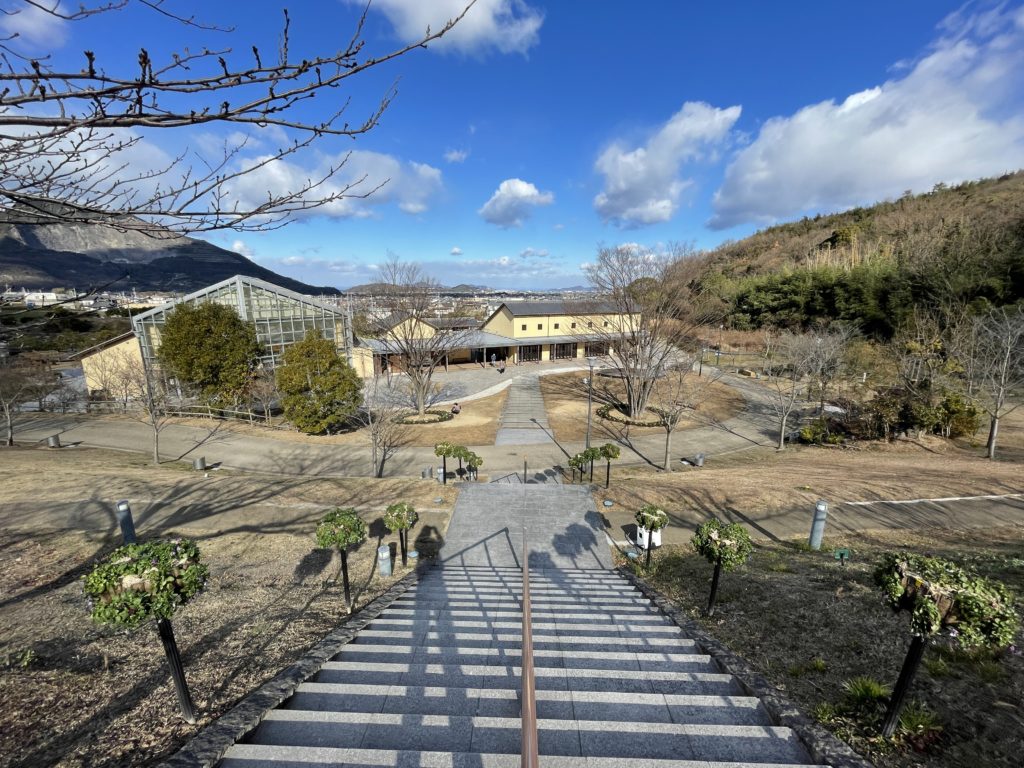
{"x": 208, "y": 746}
{"x": 823, "y": 746}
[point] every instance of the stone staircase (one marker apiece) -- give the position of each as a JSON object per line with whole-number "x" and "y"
{"x": 434, "y": 682}
{"x": 524, "y": 420}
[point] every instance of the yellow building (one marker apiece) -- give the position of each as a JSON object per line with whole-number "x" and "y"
{"x": 113, "y": 370}
{"x": 515, "y": 333}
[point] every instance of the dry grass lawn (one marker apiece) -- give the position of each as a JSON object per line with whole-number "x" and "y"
{"x": 74, "y": 694}
{"x": 476, "y": 425}
{"x": 565, "y": 399}
{"x": 809, "y": 625}
{"x": 764, "y": 485}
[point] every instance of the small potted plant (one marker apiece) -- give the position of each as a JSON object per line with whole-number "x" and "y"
{"x": 141, "y": 582}
{"x": 341, "y": 529}
{"x": 649, "y": 522}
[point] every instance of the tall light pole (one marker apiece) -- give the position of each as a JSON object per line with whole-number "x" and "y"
{"x": 590, "y": 395}
{"x": 718, "y": 359}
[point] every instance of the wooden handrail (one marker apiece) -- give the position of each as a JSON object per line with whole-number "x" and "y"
{"x": 529, "y": 754}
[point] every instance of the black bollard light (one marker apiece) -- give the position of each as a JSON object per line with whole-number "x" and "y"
{"x": 124, "y": 517}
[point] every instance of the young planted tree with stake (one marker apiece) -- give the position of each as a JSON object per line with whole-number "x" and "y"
{"x": 975, "y": 612}
{"x": 400, "y": 518}
{"x": 138, "y": 583}
{"x": 726, "y": 545}
{"x": 341, "y": 529}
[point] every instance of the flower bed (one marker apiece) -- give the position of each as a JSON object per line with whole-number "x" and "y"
{"x": 612, "y": 413}
{"x": 428, "y": 417}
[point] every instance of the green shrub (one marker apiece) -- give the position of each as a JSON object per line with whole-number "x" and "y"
{"x": 139, "y": 582}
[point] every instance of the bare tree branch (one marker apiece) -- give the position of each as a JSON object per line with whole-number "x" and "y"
{"x": 65, "y": 135}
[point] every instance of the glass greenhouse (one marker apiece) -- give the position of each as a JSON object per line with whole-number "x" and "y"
{"x": 281, "y": 317}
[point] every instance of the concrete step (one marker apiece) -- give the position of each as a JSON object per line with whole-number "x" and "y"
{"x": 498, "y": 601}
{"x": 489, "y": 619}
{"x": 265, "y": 756}
{"x": 551, "y": 705}
{"x": 514, "y": 640}
{"x": 620, "y": 629}
{"x": 624, "y": 661}
{"x": 512, "y": 611}
{"x": 458, "y": 733}
{"x": 507, "y": 677}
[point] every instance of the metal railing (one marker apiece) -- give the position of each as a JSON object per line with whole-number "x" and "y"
{"x": 529, "y": 752}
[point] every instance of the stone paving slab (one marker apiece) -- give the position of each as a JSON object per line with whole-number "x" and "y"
{"x": 563, "y": 528}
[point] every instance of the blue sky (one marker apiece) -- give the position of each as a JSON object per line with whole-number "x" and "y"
{"x": 539, "y": 131}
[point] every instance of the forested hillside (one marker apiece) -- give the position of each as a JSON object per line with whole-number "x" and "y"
{"x": 957, "y": 246}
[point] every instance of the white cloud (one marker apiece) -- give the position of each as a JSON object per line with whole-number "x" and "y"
{"x": 456, "y": 251}
{"x": 239, "y": 247}
{"x": 32, "y": 26}
{"x": 512, "y": 202}
{"x": 508, "y": 26}
{"x": 409, "y": 185}
{"x": 642, "y": 185}
{"x": 953, "y": 115}
{"x": 456, "y": 155}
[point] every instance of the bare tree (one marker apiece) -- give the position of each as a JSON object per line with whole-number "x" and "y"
{"x": 411, "y": 335}
{"x": 791, "y": 362}
{"x": 1001, "y": 367}
{"x": 657, "y": 305}
{"x": 679, "y": 393}
{"x": 67, "y": 132}
{"x": 15, "y": 388}
{"x": 263, "y": 391}
{"x": 151, "y": 405}
{"x": 382, "y": 416}
{"x": 826, "y": 359}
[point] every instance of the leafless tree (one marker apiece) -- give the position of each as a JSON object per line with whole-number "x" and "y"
{"x": 410, "y": 338}
{"x": 658, "y": 307}
{"x": 382, "y": 417}
{"x": 791, "y": 362}
{"x": 117, "y": 377}
{"x": 66, "y": 132}
{"x": 15, "y": 388}
{"x": 1001, "y": 367}
{"x": 263, "y": 391}
{"x": 826, "y": 359}
{"x": 678, "y": 394}
{"x": 152, "y": 403}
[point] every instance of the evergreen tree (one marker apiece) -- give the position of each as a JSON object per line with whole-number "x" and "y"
{"x": 321, "y": 390}
{"x": 211, "y": 351}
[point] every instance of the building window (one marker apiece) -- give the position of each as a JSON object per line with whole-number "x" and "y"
{"x": 556, "y": 326}
{"x": 590, "y": 323}
{"x": 573, "y": 325}
{"x": 524, "y": 326}
{"x": 605, "y": 323}
{"x": 540, "y": 326}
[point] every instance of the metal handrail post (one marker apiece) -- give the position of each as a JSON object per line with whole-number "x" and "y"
{"x": 529, "y": 751}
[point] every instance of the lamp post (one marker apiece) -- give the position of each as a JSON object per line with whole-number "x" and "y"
{"x": 718, "y": 359}
{"x": 590, "y": 395}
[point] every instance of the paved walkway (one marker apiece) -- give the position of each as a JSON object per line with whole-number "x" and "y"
{"x": 524, "y": 421}
{"x": 563, "y": 528}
